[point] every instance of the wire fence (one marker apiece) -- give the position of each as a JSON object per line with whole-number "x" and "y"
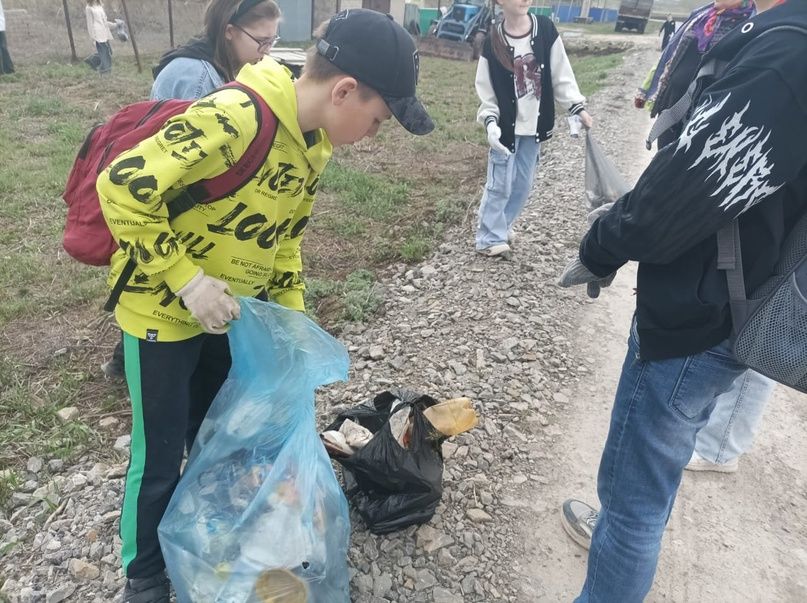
{"x": 37, "y": 30}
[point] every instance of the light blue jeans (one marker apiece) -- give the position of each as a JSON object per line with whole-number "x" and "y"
{"x": 659, "y": 408}
{"x": 506, "y": 191}
{"x": 735, "y": 419}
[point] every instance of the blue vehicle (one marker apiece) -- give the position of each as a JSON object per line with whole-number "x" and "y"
{"x": 465, "y": 22}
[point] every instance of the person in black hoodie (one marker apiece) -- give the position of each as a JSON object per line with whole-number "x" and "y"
{"x": 741, "y": 154}
{"x": 235, "y": 33}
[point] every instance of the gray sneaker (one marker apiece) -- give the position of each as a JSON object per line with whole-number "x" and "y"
{"x": 578, "y": 519}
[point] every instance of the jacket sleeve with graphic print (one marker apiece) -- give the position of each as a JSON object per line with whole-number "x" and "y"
{"x": 743, "y": 142}
{"x": 133, "y": 190}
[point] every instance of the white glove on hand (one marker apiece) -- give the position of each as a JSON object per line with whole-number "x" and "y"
{"x": 209, "y": 301}
{"x": 576, "y": 273}
{"x": 494, "y": 134}
{"x": 600, "y": 211}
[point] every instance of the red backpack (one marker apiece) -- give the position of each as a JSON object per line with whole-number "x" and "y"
{"x": 86, "y": 235}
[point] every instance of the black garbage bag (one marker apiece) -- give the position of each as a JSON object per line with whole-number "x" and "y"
{"x": 393, "y": 487}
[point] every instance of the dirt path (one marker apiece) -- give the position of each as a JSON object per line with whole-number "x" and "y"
{"x": 735, "y": 538}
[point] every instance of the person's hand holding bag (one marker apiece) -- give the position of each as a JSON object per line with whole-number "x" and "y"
{"x": 210, "y": 302}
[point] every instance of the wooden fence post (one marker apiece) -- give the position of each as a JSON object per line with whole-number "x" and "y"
{"x": 132, "y": 36}
{"x": 171, "y": 21}
{"x": 69, "y": 31}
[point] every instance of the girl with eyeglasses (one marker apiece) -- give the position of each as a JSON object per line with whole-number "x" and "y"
{"x": 236, "y": 32}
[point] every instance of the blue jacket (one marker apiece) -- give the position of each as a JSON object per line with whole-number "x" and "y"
{"x": 186, "y": 78}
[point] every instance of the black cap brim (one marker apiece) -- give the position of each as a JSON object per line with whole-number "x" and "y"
{"x": 411, "y": 114}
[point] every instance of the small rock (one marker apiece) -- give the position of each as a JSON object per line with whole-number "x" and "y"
{"x": 76, "y": 482}
{"x": 431, "y": 539}
{"x": 441, "y": 595}
{"x": 82, "y": 570}
{"x": 364, "y": 583}
{"x": 560, "y": 398}
{"x": 35, "y": 464}
{"x": 53, "y": 545}
{"x": 478, "y": 516}
{"x": 122, "y": 443}
{"x": 457, "y": 367}
{"x": 19, "y": 499}
{"x": 67, "y": 414}
{"x": 109, "y": 423}
{"x": 61, "y": 593}
{"x": 371, "y": 549}
{"x": 376, "y": 352}
{"x": 449, "y": 449}
{"x": 55, "y": 465}
{"x": 425, "y": 579}
{"x": 382, "y": 585}
{"x": 428, "y": 271}
{"x": 117, "y": 471}
{"x": 480, "y": 359}
{"x": 29, "y": 595}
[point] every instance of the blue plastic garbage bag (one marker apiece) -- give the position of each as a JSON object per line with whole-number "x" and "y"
{"x": 258, "y": 514}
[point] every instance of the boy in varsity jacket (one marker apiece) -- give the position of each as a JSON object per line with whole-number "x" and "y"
{"x": 175, "y": 309}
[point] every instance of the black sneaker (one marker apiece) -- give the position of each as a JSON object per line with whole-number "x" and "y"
{"x": 154, "y": 589}
{"x": 114, "y": 367}
{"x": 578, "y": 519}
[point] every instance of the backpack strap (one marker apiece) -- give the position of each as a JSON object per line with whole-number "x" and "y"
{"x": 730, "y": 260}
{"x": 677, "y": 113}
{"x": 235, "y": 178}
{"x": 223, "y": 185}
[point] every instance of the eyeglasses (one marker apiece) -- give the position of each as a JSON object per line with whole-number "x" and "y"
{"x": 264, "y": 44}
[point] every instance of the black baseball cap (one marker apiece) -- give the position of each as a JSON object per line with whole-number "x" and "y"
{"x": 378, "y": 52}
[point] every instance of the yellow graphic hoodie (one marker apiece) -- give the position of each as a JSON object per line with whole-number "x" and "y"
{"x": 251, "y": 239}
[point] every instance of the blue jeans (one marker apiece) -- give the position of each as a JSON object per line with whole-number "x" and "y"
{"x": 659, "y": 408}
{"x": 735, "y": 419}
{"x": 506, "y": 191}
{"x": 104, "y": 50}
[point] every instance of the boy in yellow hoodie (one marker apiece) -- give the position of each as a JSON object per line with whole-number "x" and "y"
{"x": 175, "y": 307}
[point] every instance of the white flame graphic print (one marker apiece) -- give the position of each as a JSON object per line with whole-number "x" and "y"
{"x": 736, "y": 155}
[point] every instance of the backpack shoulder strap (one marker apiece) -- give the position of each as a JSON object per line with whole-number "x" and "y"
{"x": 730, "y": 260}
{"x": 235, "y": 178}
{"x": 223, "y": 185}
{"x": 677, "y": 112}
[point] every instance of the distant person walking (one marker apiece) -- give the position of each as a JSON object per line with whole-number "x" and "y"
{"x": 98, "y": 29}
{"x": 667, "y": 30}
{"x": 6, "y": 66}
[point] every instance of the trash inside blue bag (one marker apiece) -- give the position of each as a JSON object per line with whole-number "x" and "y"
{"x": 258, "y": 515}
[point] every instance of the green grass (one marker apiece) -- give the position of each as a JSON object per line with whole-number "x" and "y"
{"x": 30, "y": 424}
{"x": 592, "y": 71}
{"x": 354, "y": 299}
{"x": 364, "y": 195}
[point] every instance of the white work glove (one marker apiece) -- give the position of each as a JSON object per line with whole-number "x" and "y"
{"x": 576, "y": 273}
{"x": 209, "y": 301}
{"x": 494, "y": 134}
{"x": 600, "y": 211}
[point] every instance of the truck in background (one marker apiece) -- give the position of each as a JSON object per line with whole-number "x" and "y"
{"x": 634, "y": 14}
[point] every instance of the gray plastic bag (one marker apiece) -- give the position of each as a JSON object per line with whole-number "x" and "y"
{"x": 604, "y": 184}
